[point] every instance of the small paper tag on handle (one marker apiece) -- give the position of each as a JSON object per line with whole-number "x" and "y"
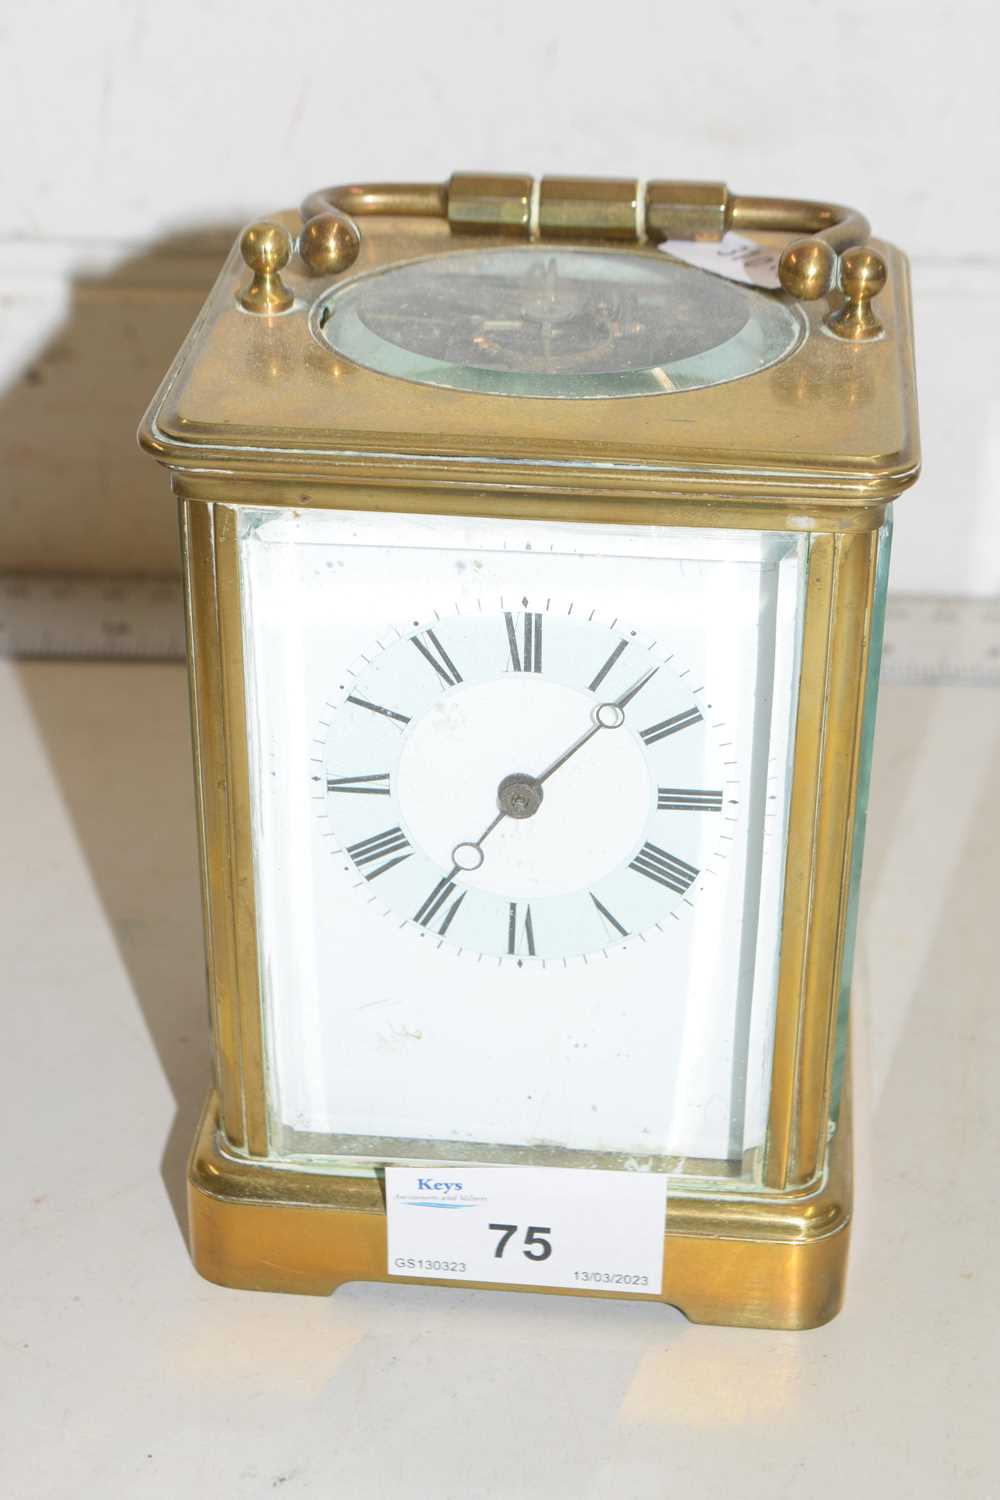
{"x": 734, "y": 257}
{"x": 593, "y": 1231}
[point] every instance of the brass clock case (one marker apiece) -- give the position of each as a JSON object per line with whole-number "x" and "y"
{"x": 259, "y": 409}
{"x": 263, "y": 396}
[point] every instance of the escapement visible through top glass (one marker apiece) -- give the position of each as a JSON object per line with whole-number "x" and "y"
{"x": 535, "y": 321}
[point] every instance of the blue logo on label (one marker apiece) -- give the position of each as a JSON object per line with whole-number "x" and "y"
{"x": 445, "y": 1190}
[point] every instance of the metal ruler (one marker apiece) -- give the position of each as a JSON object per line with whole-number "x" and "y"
{"x": 927, "y": 639}
{"x": 97, "y": 618}
{"x": 930, "y": 639}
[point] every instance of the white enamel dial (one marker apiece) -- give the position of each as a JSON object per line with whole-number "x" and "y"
{"x": 526, "y": 785}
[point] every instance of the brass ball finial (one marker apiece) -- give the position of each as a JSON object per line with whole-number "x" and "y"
{"x": 329, "y": 243}
{"x": 266, "y": 248}
{"x": 862, "y": 276}
{"x": 806, "y": 269}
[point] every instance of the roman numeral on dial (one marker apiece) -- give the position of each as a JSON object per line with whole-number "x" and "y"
{"x": 376, "y": 708}
{"x": 666, "y": 869}
{"x": 621, "y": 646}
{"x": 432, "y": 650}
{"x": 670, "y": 726}
{"x": 608, "y": 917}
{"x": 392, "y": 847}
{"x": 441, "y": 893}
{"x": 525, "y": 656}
{"x": 519, "y": 922}
{"x": 372, "y": 786}
{"x": 686, "y": 799}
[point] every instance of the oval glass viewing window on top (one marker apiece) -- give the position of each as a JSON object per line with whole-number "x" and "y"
{"x": 536, "y": 321}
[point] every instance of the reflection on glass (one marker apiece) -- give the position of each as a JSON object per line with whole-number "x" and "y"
{"x": 589, "y": 979}
{"x": 557, "y": 323}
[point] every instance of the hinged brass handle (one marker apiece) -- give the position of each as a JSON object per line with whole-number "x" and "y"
{"x": 830, "y": 243}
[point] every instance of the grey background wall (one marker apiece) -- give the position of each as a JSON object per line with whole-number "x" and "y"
{"x": 139, "y": 137}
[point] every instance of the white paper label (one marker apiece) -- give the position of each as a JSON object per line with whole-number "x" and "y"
{"x": 734, "y": 256}
{"x": 528, "y": 1226}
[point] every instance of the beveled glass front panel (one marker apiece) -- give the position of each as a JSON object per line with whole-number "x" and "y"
{"x": 519, "y": 794}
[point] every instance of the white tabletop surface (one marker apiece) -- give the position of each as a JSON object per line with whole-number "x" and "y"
{"x": 123, "y": 1374}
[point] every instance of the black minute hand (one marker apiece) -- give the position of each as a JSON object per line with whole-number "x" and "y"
{"x": 620, "y": 703}
{"x": 630, "y": 693}
{"x": 614, "y": 718}
{"x": 562, "y": 759}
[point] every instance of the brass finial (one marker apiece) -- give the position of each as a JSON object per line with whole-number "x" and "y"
{"x": 266, "y": 248}
{"x": 862, "y": 277}
{"x": 329, "y": 242}
{"x": 806, "y": 269}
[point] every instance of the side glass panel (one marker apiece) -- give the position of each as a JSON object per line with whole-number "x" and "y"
{"x": 520, "y": 794}
{"x": 861, "y": 806}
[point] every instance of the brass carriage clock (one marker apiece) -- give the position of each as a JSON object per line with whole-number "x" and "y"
{"x": 535, "y": 578}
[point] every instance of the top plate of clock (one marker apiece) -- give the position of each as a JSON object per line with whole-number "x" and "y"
{"x": 462, "y": 357}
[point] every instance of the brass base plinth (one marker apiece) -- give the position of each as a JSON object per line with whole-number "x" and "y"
{"x": 751, "y": 1261}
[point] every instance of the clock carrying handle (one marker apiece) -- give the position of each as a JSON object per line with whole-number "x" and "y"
{"x": 830, "y": 238}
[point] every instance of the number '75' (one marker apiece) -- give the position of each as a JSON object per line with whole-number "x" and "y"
{"x": 534, "y": 1237}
